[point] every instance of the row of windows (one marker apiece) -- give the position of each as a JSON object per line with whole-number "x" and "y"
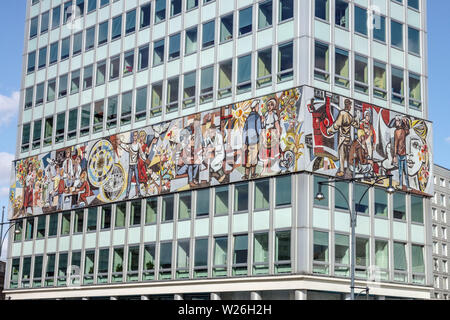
{"x": 208, "y": 35}
{"x": 443, "y": 247}
{"x": 179, "y": 259}
{"x": 187, "y": 91}
{"x": 365, "y": 260}
{"x": 442, "y": 267}
{"x": 380, "y": 201}
{"x": 361, "y": 26}
{"x": 441, "y": 199}
{"x": 138, "y": 212}
{"x": 437, "y": 234}
{"x": 443, "y": 216}
{"x": 360, "y": 66}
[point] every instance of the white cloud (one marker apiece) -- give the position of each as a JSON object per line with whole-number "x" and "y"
{"x": 9, "y": 106}
{"x": 5, "y": 170}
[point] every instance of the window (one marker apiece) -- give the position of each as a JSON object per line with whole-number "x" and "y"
{"x": 48, "y": 131}
{"x": 143, "y": 58}
{"x": 87, "y": 77}
{"x": 361, "y": 198}
{"x": 167, "y": 208}
{"x": 127, "y": 102}
{"x": 60, "y": 128}
{"x": 114, "y": 68}
{"x": 37, "y": 274}
{"x": 157, "y": 100}
{"x": 75, "y": 81}
{"x": 220, "y": 256}
{"x": 285, "y": 62}
{"x": 262, "y": 194}
{"x": 189, "y": 89}
{"x": 342, "y": 14}
{"x": 240, "y": 255}
{"x": 106, "y": 214}
{"x": 341, "y": 196}
{"x": 40, "y": 230}
{"x": 78, "y": 221}
{"x": 174, "y": 46}
{"x": 265, "y": 14}
{"x": 241, "y": 197}
{"x": 50, "y": 270}
{"x": 379, "y": 30}
{"x": 133, "y": 263}
{"x": 191, "y": 41}
{"x": 117, "y": 267}
{"x": 158, "y": 53}
{"x": 141, "y": 103}
{"x": 165, "y": 260}
{"x": 286, "y": 10}
{"x": 264, "y": 68}
{"x": 282, "y": 252}
{"x": 145, "y": 12}
{"x": 34, "y": 27}
{"x": 185, "y": 206}
{"x": 26, "y": 272}
{"x": 151, "y": 210}
{"x": 29, "y": 231}
{"x": 149, "y": 262}
{"x": 244, "y": 83}
{"x": 77, "y": 42}
{"x": 261, "y": 253}
{"x": 103, "y": 261}
{"x": 321, "y": 254}
{"x": 398, "y": 93}
{"x": 245, "y": 21}
{"x": 226, "y": 28}
{"x": 98, "y": 115}
{"x": 135, "y": 213}
{"x": 283, "y": 191}
{"x": 202, "y": 208}
{"x": 37, "y": 128}
{"x": 92, "y": 6}
{"x": 116, "y": 30}
{"x": 413, "y": 41}
{"x": 397, "y": 34}
{"x": 62, "y": 86}
{"x": 322, "y": 61}
{"x": 201, "y": 258}
{"x": 379, "y": 79}
{"x": 361, "y": 20}
{"x": 130, "y": 22}
{"x": 341, "y": 255}
{"x": 111, "y": 119}
{"x": 65, "y": 224}
{"x": 128, "y": 62}
{"x": 381, "y": 206}
{"x": 341, "y": 68}
{"x": 382, "y": 258}
{"x": 225, "y": 79}
{"x": 29, "y": 97}
{"x": 67, "y": 11}
{"x": 322, "y": 9}
{"x": 56, "y": 17}
{"x": 362, "y": 257}
{"x": 415, "y": 95}
{"x": 31, "y": 62}
{"x": 208, "y": 34}
{"x": 416, "y": 209}
{"x": 400, "y": 267}
{"x": 207, "y": 84}
{"x": 89, "y": 259}
{"x": 175, "y": 7}
{"x": 324, "y": 190}
{"x": 65, "y": 48}
{"x": 102, "y": 33}
{"x": 361, "y": 74}
{"x": 54, "y": 52}
{"x": 399, "y": 206}
{"x": 62, "y": 268}
{"x": 101, "y": 73}
{"x": 85, "y": 120}
{"x": 42, "y": 57}
{"x": 92, "y": 219}
{"x": 172, "y": 94}
{"x": 190, "y": 4}
{"x": 221, "y": 200}
{"x": 90, "y": 38}
{"x": 160, "y": 10}
{"x": 183, "y": 255}
{"x": 15, "y": 267}
{"x": 413, "y": 4}
{"x": 121, "y": 211}
{"x": 39, "y": 93}
{"x": 18, "y": 231}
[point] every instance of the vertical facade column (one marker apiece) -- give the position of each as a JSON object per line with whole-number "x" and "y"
{"x": 301, "y": 294}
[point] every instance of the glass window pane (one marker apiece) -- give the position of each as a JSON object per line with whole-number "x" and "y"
{"x": 202, "y": 202}
{"x": 262, "y": 194}
{"x": 416, "y": 209}
{"x": 241, "y": 197}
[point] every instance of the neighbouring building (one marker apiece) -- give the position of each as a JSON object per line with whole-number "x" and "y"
{"x": 173, "y": 149}
{"x": 440, "y": 227}
{"x": 2, "y": 279}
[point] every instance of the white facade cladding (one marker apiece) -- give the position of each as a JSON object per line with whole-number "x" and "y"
{"x": 111, "y": 67}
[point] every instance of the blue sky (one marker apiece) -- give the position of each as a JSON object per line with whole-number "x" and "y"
{"x": 12, "y": 17}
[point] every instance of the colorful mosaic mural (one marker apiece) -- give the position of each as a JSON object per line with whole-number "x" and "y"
{"x": 302, "y": 129}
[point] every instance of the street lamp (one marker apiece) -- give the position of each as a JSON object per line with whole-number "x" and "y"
{"x": 353, "y": 214}
{"x": 3, "y": 238}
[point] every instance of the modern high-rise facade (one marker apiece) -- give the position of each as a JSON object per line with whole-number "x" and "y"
{"x": 173, "y": 149}
{"x": 439, "y": 211}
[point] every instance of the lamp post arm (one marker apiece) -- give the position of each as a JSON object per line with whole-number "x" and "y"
{"x": 331, "y": 185}
{"x": 370, "y": 187}
{"x": 4, "y": 237}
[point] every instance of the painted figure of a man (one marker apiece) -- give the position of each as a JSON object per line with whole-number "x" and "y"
{"x": 343, "y": 124}
{"x": 400, "y": 134}
{"x": 252, "y": 132}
